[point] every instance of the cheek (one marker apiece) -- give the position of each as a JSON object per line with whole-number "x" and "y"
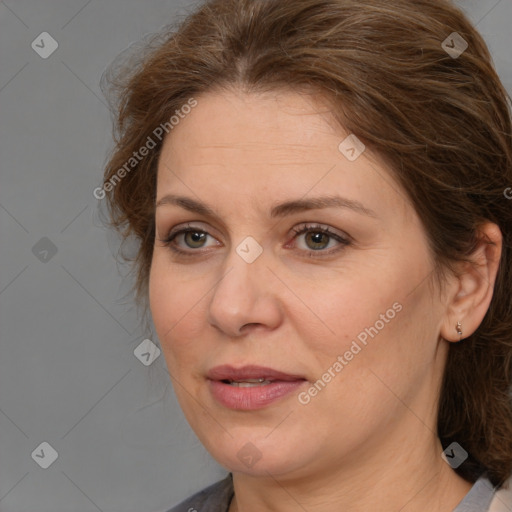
{"x": 172, "y": 304}
{"x": 374, "y": 323}
{"x": 178, "y": 312}
{"x": 349, "y": 308}
{"x": 389, "y": 352}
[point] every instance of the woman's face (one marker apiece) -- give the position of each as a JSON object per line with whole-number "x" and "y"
{"x": 343, "y": 326}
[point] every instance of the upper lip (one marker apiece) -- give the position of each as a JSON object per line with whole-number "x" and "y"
{"x": 227, "y": 372}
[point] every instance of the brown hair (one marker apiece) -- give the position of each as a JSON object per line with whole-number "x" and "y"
{"x": 441, "y": 122}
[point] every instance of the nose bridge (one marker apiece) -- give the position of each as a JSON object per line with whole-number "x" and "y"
{"x": 238, "y": 277}
{"x": 243, "y": 295}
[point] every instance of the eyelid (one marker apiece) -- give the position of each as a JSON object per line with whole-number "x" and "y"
{"x": 181, "y": 229}
{"x": 342, "y": 238}
{"x": 324, "y": 228}
{"x": 191, "y": 225}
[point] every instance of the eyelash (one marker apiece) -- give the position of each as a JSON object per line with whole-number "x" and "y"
{"x": 315, "y": 228}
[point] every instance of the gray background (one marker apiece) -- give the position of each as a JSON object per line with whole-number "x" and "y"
{"x": 68, "y": 372}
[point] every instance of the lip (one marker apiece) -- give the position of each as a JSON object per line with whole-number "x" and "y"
{"x": 227, "y": 372}
{"x": 251, "y": 398}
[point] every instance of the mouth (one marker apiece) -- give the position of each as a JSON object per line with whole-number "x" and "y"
{"x": 248, "y": 383}
{"x": 251, "y": 387}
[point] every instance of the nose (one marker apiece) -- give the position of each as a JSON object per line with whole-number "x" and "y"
{"x": 245, "y": 298}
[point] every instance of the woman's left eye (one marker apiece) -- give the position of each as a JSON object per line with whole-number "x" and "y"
{"x": 316, "y": 240}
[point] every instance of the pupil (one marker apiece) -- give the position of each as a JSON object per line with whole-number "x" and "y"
{"x": 196, "y": 237}
{"x": 317, "y": 239}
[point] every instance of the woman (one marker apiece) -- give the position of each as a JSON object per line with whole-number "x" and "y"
{"x": 318, "y": 190}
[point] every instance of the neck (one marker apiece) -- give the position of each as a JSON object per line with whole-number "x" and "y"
{"x": 404, "y": 480}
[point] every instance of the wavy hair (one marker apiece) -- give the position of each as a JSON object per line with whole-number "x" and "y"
{"x": 441, "y": 121}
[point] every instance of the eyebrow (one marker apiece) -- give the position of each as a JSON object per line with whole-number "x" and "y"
{"x": 279, "y": 210}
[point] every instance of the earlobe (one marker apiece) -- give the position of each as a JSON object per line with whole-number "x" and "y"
{"x": 473, "y": 286}
{"x": 458, "y": 328}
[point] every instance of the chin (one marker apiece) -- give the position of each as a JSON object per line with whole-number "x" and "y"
{"x": 261, "y": 456}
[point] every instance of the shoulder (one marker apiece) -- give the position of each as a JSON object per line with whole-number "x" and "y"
{"x": 214, "y": 498}
{"x": 502, "y": 501}
{"x": 479, "y": 497}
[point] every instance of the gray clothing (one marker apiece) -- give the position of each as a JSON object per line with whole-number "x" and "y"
{"x": 217, "y": 498}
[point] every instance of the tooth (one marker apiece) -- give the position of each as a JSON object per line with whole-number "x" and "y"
{"x": 250, "y": 383}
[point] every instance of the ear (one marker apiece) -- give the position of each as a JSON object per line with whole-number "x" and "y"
{"x": 473, "y": 286}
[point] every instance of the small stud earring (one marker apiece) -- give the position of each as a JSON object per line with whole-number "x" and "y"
{"x": 458, "y": 328}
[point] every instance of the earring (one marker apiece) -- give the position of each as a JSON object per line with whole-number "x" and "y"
{"x": 458, "y": 328}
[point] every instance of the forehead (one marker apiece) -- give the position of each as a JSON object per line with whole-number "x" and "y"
{"x": 280, "y": 144}
{"x": 280, "y": 122}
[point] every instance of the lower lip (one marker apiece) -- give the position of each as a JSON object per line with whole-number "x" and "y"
{"x": 252, "y": 398}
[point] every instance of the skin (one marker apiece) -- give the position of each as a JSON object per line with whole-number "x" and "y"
{"x": 367, "y": 441}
